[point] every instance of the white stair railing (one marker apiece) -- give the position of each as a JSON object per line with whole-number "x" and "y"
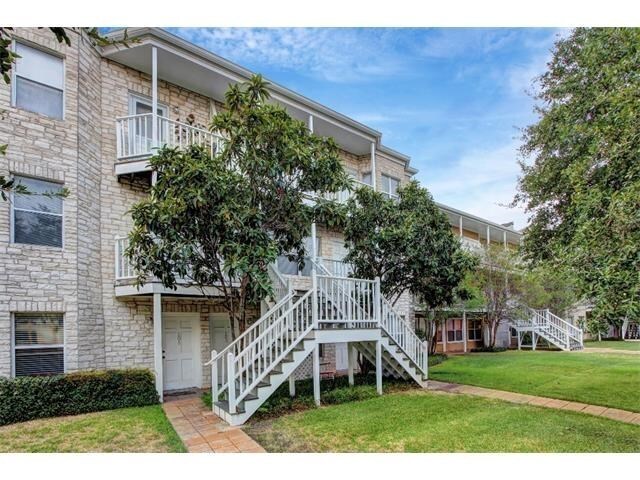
{"x": 559, "y": 331}
{"x": 401, "y": 333}
{"x": 347, "y": 301}
{"x": 252, "y": 365}
{"x": 219, "y": 360}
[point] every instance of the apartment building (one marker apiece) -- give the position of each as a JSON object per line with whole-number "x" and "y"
{"x": 86, "y": 119}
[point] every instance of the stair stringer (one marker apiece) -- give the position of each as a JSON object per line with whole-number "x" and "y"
{"x": 279, "y": 374}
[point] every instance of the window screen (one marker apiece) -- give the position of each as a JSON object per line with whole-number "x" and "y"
{"x": 38, "y": 344}
{"x": 39, "y": 81}
{"x": 37, "y": 217}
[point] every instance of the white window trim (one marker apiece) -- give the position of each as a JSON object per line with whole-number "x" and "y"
{"x": 138, "y": 97}
{"x": 15, "y": 347}
{"x": 391, "y": 177}
{"x": 14, "y": 73}
{"x": 12, "y": 216}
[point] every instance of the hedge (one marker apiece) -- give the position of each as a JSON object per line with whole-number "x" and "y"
{"x": 27, "y": 398}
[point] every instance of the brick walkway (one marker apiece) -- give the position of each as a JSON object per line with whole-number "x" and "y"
{"x": 202, "y": 431}
{"x": 612, "y": 413}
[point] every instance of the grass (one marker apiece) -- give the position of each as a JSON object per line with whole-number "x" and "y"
{"x": 139, "y": 429}
{"x": 614, "y": 344}
{"x": 430, "y": 422}
{"x": 600, "y": 379}
{"x": 332, "y": 392}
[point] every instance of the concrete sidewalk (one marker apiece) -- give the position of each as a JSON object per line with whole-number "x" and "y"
{"x": 599, "y": 411}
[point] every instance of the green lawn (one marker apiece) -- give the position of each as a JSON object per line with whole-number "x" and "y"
{"x": 600, "y": 379}
{"x": 616, "y": 345}
{"x": 140, "y": 429}
{"x": 431, "y": 422}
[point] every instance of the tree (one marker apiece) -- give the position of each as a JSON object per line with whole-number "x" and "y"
{"x": 408, "y": 243}
{"x": 221, "y": 219}
{"x": 9, "y": 57}
{"x": 582, "y": 187}
{"x": 545, "y": 287}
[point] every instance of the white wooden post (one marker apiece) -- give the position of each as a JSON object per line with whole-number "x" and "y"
{"x": 533, "y": 339}
{"x": 316, "y": 374}
{"x": 519, "y": 339}
{"x": 379, "y": 367}
{"x": 504, "y": 238}
{"x": 314, "y": 249}
{"x": 350, "y": 361}
{"x": 465, "y": 332}
{"x": 488, "y": 236}
{"x": 154, "y": 105}
{"x": 444, "y": 335}
{"x": 314, "y": 298}
{"x": 231, "y": 369}
{"x": 460, "y": 226}
{"x": 310, "y": 124}
{"x": 292, "y": 385}
{"x": 157, "y": 343}
{"x": 377, "y": 298}
{"x": 214, "y": 379}
{"x": 425, "y": 367}
{"x": 373, "y": 166}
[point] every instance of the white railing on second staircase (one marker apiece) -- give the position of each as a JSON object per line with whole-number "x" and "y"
{"x": 400, "y": 331}
{"x": 348, "y": 302}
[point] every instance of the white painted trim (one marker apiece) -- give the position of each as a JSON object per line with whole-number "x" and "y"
{"x": 158, "y": 361}
{"x": 374, "y": 181}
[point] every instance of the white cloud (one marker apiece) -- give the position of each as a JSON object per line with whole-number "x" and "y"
{"x": 333, "y": 54}
{"x": 481, "y": 183}
{"x": 451, "y": 42}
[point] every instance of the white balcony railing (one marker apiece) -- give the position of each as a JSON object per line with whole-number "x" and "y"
{"x": 134, "y": 136}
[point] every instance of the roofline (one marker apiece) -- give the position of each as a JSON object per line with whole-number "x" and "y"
{"x": 478, "y": 219}
{"x": 242, "y": 72}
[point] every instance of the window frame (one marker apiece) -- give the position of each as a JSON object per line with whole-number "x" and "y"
{"x": 34, "y": 347}
{"x": 14, "y": 75}
{"x": 12, "y": 215}
{"x": 470, "y": 322}
{"x": 390, "y": 177}
{"x": 454, "y": 330}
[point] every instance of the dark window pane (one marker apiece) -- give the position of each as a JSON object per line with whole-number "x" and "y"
{"x": 38, "y": 98}
{"x": 37, "y": 228}
{"x": 39, "y": 361}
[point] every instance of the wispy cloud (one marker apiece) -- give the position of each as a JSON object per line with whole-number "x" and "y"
{"x": 332, "y": 54}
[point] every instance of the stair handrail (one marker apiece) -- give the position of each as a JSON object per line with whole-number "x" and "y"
{"x": 281, "y": 286}
{"x": 256, "y": 361}
{"x": 403, "y": 335}
{"x": 246, "y": 338}
{"x": 340, "y": 291}
{"x": 574, "y": 332}
{"x": 551, "y": 325}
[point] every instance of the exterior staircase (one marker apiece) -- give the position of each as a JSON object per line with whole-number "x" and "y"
{"x": 553, "y": 329}
{"x": 335, "y": 309}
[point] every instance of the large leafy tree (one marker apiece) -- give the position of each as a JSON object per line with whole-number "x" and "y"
{"x": 221, "y": 219}
{"x": 407, "y": 242}
{"x": 582, "y": 183}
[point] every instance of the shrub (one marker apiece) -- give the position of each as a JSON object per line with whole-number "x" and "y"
{"x": 488, "y": 349}
{"x": 28, "y": 398}
{"x": 436, "y": 359}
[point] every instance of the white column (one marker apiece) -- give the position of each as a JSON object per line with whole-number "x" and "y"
{"x": 488, "y": 236}
{"x": 444, "y": 336}
{"x": 377, "y": 298}
{"x": 154, "y": 105}
{"x": 504, "y": 239}
{"x": 316, "y": 374}
{"x": 519, "y": 339}
{"x": 373, "y": 166}
{"x": 292, "y": 385}
{"x": 379, "y": 367}
{"x": 533, "y": 340}
{"x": 350, "y": 362}
{"x": 465, "y": 333}
{"x": 310, "y": 124}
{"x": 460, "y": 225}
{"x": 314, "y": 248}
{"x": 157, "y": 342}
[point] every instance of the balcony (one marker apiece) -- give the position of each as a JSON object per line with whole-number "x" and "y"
{"x": 134, "y": 140}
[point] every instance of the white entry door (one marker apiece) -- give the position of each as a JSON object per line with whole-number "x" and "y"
{"x": 181, "y": 348}
{"x": 342, "y": 356}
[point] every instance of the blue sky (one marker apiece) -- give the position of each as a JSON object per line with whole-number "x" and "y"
{"x": 452, "y": 99}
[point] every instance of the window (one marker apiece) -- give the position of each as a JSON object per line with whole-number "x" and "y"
{"x": 289, "y": 267}
{"x": 39, "y": 82}
{"x": 38, "y": 344}
{"x": 454, "y": 330}
{"x": 366, "y": 178}
{"x": 474, "y": 329}
{"x": 390, "y": 185}
{"x": 37, "y": 218}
